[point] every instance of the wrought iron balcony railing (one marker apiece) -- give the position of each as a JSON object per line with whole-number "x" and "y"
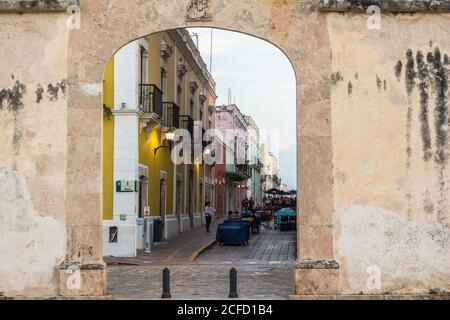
{"x": 187, "y": 123}
{"x": 150, "y": 99}
{"x": 244, "y": 169}
{"x": 171, "y": 115}
{"x": 205, "y": 143}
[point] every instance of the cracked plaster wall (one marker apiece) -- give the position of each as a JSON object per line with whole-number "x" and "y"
{"x": 33, "y": 129}
{"x": 390, "y": 146}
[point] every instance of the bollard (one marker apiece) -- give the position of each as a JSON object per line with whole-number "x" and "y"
{"x": 233, "y": 284}
{"x": 166, "y": 284}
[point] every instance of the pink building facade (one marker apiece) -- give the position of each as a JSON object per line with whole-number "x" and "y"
{"x": 235, "y": 172}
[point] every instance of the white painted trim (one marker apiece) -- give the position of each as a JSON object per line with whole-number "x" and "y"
{"x": 143, "y": 42}
{"x": 146, "y": 170}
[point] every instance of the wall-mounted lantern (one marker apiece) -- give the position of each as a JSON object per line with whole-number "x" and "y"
{"x": 169, "y": 137}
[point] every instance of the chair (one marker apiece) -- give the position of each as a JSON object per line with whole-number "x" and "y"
{"x": 293, "y": 223}
{"x": 284, "y": 223}
{"x": 257, "y": 224}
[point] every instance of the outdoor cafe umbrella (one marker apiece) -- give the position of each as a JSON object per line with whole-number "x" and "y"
{"x": 274, "y": 192}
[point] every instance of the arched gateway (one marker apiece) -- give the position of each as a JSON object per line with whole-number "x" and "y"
{"x": 372, "y": 137}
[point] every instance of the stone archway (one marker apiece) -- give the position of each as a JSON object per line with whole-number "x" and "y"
{"x": 374, "y": 200}
{"x": 106, "y": 26}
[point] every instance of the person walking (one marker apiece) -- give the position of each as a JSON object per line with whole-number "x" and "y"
{"x": 245, "y": 205}
{"x": 208, "y": 211}
{"x": 251, "y": 205}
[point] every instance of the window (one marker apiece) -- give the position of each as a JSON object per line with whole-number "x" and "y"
{"x": 113, "y": 234}
{"x": 162, "y": 197}
{"x": 164, "y": 83}
{"x": 179, "y": 193}
{"x": 202, "y": 106}
{"x": 143, "y": 69}
{"x": 179, "y": 93}
{"x": 143, "y": 194}
{"x": 192, "y": 108}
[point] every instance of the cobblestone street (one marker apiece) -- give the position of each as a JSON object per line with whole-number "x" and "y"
{"x": 265, "y": 271}
{"x": 202, "y": 281}
{"x": 269, "y": 246}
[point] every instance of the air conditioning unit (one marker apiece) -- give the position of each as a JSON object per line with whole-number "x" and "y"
{"x": 148, "y": 235}
{"x": 140, "y": 243}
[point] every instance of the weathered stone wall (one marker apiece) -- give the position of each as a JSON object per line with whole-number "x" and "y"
{"x": 390, "y": 102}
{"x": 385, "y": 5}
{"x": 33, "y": 130}
{"x": 372, "y": 133}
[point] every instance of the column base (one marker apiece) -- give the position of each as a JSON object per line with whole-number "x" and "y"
{"x": 82, "y": 279}
{"x": 317, "y": 278}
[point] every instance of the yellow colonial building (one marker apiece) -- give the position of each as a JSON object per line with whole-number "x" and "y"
{"x": 152, "y": 87}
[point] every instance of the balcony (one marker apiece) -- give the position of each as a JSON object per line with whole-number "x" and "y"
{"x": 171, "y": 115}
{"x": 187, "y": 123}
{"x": 239, "y": 172}
{"x": 150, "y": 99}
{"x": 205, "y": 143}
{"x": 272, "y": 179}
{"x": 244, "y": 169}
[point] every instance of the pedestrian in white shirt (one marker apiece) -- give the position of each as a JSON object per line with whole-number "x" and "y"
{"x": 208, "y": 211}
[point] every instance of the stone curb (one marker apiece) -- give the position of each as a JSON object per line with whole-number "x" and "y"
{"x": 201, "y": 251}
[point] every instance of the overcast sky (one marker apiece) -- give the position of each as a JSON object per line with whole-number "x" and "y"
{"x": 262, "y": 81}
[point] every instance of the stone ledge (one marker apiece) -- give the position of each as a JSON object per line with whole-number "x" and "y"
{"x": 3, "y": 297}
{"x": 19, "y": 6}
{"x": 66, "y": 265}
{"x": 82, "y": 280}
{"x": 319, "y": 264}
{"x": 385, "y": 5}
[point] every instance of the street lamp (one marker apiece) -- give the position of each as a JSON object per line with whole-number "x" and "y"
{"x": 170, "y": 136}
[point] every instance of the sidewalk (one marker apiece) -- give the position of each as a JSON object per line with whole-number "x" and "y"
{"x": 184, "y": 248}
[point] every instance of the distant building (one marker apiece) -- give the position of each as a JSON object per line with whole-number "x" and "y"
{"x": 254, "y": 186}
{"x": 235, "y": 172}
{"x": 153, "y": 86}
{"x": 270, "y": 178}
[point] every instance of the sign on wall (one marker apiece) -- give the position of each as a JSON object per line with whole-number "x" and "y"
{"x": 199, "y": 10}
{"x": 126, "y": 186}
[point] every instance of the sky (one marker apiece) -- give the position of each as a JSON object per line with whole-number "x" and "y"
{"x": 262, "y": 82}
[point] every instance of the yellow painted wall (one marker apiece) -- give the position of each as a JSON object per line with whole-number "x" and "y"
{"x": 149, "y": 141}
{"x": 108, "y": 143}
{"x": 162, "y": 161}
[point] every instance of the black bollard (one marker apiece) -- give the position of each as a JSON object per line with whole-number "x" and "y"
{"x": 233, "y": 284}
{"x": 166, "y": 284}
